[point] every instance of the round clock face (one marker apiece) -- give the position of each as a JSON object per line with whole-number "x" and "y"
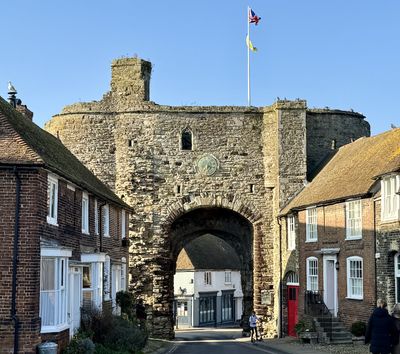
{"x": 207, "y": 165}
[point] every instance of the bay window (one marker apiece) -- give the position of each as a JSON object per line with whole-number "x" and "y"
{"x": 53, "y": 289}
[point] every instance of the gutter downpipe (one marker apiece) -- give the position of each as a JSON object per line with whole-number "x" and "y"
{"x": 280, "y": 278}
{"x": 375, "y": 241}
{"x": 14, "y": 316}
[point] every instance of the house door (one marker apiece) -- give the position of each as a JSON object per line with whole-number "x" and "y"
{"x": 182, "y": 314}
{"x": 75, "y": 299}
{"x": 330, "y": 284}
{"x": 115, "y": 287}
{"x": 292, "y": 305}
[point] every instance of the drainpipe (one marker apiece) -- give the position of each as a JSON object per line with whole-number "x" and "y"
{"x": 280, "y": 277}
{"x": 101, "y": 231}
{"x": 375, "y": 259}
{"x": 14, "y": 316}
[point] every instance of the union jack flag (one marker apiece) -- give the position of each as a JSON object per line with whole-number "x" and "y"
{"x": 253, "y": 18}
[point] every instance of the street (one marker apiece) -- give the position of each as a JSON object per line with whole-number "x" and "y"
{"x": 219, "y": 341}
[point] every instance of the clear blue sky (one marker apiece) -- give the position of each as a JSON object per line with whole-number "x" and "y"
{"x": 341, "y": 54}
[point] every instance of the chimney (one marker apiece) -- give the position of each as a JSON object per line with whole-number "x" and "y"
{"x": 17, "y": 103}
{"x": 24, "y": 110}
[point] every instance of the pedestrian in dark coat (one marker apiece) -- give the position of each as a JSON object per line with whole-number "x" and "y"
{"x": 396, "y": 319}
{"x": 381, "y": 330}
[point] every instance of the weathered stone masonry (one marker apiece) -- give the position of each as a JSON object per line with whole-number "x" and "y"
{"x": 263, "y": 157}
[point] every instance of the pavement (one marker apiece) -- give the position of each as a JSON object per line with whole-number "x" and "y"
{"x": 287, "y": 345}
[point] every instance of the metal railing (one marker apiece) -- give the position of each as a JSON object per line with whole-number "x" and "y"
{"x": 315, "y": 306}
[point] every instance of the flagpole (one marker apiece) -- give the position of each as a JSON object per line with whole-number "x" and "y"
{"x": 248, "y": 58}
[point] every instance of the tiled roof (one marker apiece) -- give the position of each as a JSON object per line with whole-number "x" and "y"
{"x": 33, "y": 145}
{"x": 352, "y": 171}
{"x": 208, "y": 252}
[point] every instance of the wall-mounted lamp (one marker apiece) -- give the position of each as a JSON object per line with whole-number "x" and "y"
{"x": 337, "y": 265}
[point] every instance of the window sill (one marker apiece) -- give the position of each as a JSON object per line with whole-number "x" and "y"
{"x": 354, "y": 298}
{"x": 85, "y": 232}
{"x": 388, "y": 221}
{"x": 52, "y": 222}
{"x": 310, "y": 241}
{"x": 353, "y": 238}
{"x": 54, "y": 329}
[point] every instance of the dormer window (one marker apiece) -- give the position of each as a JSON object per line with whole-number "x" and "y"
{"x": 186, "y": 139}
{"x": 390, "y": 198}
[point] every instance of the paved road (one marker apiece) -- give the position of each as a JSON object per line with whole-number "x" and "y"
{"x": 222, "y": 341}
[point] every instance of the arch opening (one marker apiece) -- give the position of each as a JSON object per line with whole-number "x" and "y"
{"x": 203, "y": 239}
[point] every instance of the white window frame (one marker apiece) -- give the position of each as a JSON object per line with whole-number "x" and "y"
{"x": 123, "y": 224}
{"x": 107, "y": 278}
{"x": 207, "y": 278}
{"x": 390, "y": 209}
{"x": 52, "y": 199}
{"x": 397, "y": 275}
{"x": 291, "y": 232}
{"x": 96, "y": 263}
{"x": 228, "y": 277}
{"x": 59, "y": 297}
{"x": 351, "y": 276}
{"x": 85, "y": 213}
{"x": 312, "y": 273}
{"x": 106, "y": 220}
{"x": 353, "y": 221}
{"x": 312, "y": 224}
{"x": 96, "y": 217}
{"x": 123, "y": 273}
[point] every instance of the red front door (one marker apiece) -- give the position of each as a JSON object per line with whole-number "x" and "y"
{"x": 292, "y": 304}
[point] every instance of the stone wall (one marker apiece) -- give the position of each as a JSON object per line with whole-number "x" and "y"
{"x": 255, "y": 161}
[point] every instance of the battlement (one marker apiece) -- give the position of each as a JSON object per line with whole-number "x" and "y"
{"x": 130, "y": 78}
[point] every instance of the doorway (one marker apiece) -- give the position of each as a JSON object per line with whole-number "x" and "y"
{"x": 330, "y": 284}
{"x": 75, "y": 299}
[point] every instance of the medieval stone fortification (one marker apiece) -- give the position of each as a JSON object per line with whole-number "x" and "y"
{"x": 244, "y": 164}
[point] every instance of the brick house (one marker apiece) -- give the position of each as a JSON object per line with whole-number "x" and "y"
{"x": 343, "y": 231}
{"x": 63, "y": 237}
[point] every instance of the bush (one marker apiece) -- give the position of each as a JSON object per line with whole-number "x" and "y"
{"x": 358, "y": 328}
{"x": 80, "y": 346}
{"x": 125, "y": 336}
{"x": 101, "y": 349}
{"x": 126, "y": 301}
{"x": 111, "y": 332}
{"x": 300, "y": 327}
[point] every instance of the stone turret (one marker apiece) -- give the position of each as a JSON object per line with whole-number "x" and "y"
{"x": 130, "y": 79}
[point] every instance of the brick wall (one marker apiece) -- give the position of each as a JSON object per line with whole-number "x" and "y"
{"x": 33, "y": 227}
{"x": 331, "y": 235}
{"x": 27, "y": 296}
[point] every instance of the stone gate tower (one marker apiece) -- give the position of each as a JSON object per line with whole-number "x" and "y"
{"x": 188, "y": 171}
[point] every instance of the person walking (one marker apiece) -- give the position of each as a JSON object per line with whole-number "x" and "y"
{"x": 396, "y": 319}
{"x": 253, "y": 327}
{"x": 381, "y": 330}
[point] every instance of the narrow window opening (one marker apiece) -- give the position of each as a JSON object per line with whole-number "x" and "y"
{"x": 251, "y": 188}
{"x": 130, "y": 143}
{"x": 178, "y": 189}
{"x": 333, "y": 144}
{"x": 186, "y": 140}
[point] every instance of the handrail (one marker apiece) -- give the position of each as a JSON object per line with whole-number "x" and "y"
{"x": 315, "y": 306}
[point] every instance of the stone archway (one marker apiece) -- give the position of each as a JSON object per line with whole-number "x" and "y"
{"x": 228, "y": 218}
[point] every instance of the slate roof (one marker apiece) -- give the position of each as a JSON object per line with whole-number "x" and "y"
{"x": 352, "y": 171}
{"x": 34, "y": 146}
{"x": 208, "y": 252}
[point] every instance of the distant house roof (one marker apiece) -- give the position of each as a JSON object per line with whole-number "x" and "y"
{"x": 31, "y": 145}
{"x": 207, "y": 252}
{"x": 352, "y": 171}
